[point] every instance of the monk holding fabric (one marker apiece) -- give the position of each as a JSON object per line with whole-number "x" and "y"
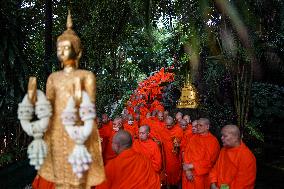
{"x": 129, "y": 170}
{"x": 109, "y": 153}
{"x": 171, "y": 137}
{"x": 148, "y": 147}
{"x": 200, "y": 156}
{"x": 236, "y": 165}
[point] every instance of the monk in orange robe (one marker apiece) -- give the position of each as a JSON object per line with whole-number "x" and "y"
{"x": 187, "y": 119}
{"x": 148, "y": 147}
{"x": 106, "y": 122}
{"x": 187, "y": 134}
{"x": 131, "y": 126}
{"x": 171, "y": 137}
{"x": 104, "y": 132}
{"x": 200, "y": 156}
{"x": 154, "y": 127}
{"x": 129, "y": 169}
{"x": 236, "y": 165}
{"x": 109, "y": 153}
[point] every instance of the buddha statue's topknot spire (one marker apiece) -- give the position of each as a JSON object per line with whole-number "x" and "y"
{"x": 69, "y": 23}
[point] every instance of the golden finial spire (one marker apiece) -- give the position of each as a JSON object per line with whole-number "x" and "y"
{"x": 69, "y": 23}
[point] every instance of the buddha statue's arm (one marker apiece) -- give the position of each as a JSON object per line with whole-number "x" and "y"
{"x": 50, "y": 94}
{"x": 90, "y": 86}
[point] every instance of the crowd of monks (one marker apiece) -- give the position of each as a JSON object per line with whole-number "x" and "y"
{"x": 150, "y": 149}
{"x": 166, "y": 152}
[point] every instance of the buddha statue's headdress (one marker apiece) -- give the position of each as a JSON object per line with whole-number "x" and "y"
{"x": 70, "y": 35}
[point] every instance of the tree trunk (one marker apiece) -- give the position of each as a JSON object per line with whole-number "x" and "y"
{"x": 48, "y": 37}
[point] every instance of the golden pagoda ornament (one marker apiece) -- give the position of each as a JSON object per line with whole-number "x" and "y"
{"x": 189, "y": 97}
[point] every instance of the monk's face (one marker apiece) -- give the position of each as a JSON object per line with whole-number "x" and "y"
{"x": 187, "y": 118}
{"x": 169, "y": 124}
{"x": 116, "y": 125}
{"x": 161, "y": 116}
{"x": 65, "y": 51}
{"x": 202, "y": 128}
{"x": 143, "y": 134}
{"x": 105, "y": 118}
{"x": 229, "y": 140}
{"x": 194, "y": 127}
{"x": 183, "y": 124}
{"x": 178, "y": 116}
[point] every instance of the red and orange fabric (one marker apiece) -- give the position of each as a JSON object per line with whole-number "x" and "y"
{"x": 109, "y": 153}
{"x": 235, "y": 167}
{"x": 151, "y": 150}
{"x": 105, "y": 133}
{"x": 202, "y": 151}
{"x": 130, "y": 170}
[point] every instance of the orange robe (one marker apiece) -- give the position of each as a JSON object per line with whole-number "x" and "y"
{"x": 202, "y": 151}
{"x": 235, "y": 167}
{"x": 132, "y": 129}
{"x": 109, "y": 153}
{"x": 151, "y": 150}
{"x": 105, "y": 133}
{"x": 187, "y": 134}
{"x": 41, "y": 183}
{"x": 130, "y": 170}
{"x": 173, "y": 163}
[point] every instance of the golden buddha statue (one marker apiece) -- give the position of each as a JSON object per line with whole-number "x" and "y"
{"x": 188, "y": 98}
{"x": 61, "y": 85}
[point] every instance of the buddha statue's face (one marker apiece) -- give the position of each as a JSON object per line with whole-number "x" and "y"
{"x": 65, "y": 51}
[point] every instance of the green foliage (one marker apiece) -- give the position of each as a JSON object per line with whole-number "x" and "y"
{"x": 267, "y": 102}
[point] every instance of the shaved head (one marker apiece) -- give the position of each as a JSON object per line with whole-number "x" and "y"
{"x": 122, "y": 140}
{"x": 233, "y": 129}
{"x": 231, "y": 136}
{"x": 144, "y": 132}
{"x": 183, "y": 124}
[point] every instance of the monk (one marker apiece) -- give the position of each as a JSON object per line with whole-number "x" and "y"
{"x": 178, "y": 116}
{"x": 187, "y": 118}
{"x": 171, "y": 137}
{"x": 155, "y": 130}
{"x": 200, "y": 156}
{"x": 129, "y": 169}
{"x": 187, "y": 134}
{"x": 131, "y": 126}
{"x": 104, "y": 132}
{"x": 148, "y": 147}
{"x": 109, "y": 153}
{"x": 236, "y": 165}
{"x": 106, "y": 122}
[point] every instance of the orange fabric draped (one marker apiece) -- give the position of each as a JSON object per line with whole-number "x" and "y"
{"x": 109, "y": 153}
{"x": 173, "y": 163}
{"x": 40, "y": 183}
{"x": 151, "y": 150}
{"x": 157, "y": 105}
{"x": 202, "y": 151}
{"x": 132, "y": 129}
{"x": 235, "y": 167}
{"x": 105, "y": 133}
{"x": 130, "y": 170}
